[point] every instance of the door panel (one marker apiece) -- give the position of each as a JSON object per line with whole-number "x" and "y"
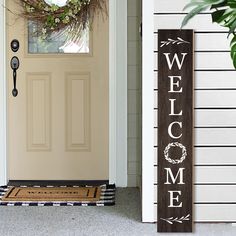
{"x": 58, "y": 123}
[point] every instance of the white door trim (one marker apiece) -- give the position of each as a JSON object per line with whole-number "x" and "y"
{"x": 3, "y": 107}
{"x": 117, "y": 94}
{"x": 147, "y": 112}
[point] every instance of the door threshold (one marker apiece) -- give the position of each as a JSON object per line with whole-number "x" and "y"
{"x": 55, "y": 183}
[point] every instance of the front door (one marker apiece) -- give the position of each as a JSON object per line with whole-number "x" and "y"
{"x": 58, "y": 122}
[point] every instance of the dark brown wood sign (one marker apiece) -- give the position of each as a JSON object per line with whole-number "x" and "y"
{"x": 175, "y": 130}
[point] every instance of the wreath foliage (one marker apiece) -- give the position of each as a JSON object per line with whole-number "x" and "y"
{"x": 74, "y": 17}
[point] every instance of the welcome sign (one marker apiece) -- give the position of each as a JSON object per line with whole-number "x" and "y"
{"x": 175, "y": 130}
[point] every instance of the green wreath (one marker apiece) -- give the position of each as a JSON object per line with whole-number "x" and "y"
{"x": 74, "y": 17}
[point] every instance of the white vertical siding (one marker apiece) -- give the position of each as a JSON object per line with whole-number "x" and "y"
{"x": 147, "y": 111}
{"x": 134, "y": 93}
{"x": 215, "y": 114}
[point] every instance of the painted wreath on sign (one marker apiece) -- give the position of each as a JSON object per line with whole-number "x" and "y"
{"x": 71, "y": 17}
{"x": 175, "y": 161}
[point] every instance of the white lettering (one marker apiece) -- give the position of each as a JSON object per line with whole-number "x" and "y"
{"x": 170, "y": 129}
{"x": 179, "y": 174}
{"x": 176, "y": 84}
{"x": 176, "y": 198}
{"x": 175, "y": 58}
{"x": 172, "y": 108}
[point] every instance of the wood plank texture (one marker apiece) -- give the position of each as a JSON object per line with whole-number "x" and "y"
{"x": 210, "y": 156}
{"x": 215, "y": 113}
{"x": 211, "y": 194}
{"x": 211, "y": 175}
{"x": 175, "y": 128}
{"x": 209, "y": 137}
{"x": 207, "y": 42}
{"x": 211, "y": 213}
{"x": 211, "y": 99}
{"x": 210, "y": 61}
{"x": 210, "y": 118}
{"x": 167, "y": 6}
{"x": 201, "y": 23}
{"x": 210, "y": 80}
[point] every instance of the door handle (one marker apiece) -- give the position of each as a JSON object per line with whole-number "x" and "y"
{"x": 15, "y": 63}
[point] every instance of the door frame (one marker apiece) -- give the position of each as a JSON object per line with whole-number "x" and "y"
{"x": 117, "y": 96}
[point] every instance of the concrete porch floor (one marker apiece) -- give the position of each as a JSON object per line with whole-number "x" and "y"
{"x": 124, "y": 219}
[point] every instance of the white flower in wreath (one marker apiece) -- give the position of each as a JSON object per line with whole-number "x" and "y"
{"x": 74, "y": 1}
{"x": 66, "y": 20}
{"x": 46, "y": 8}
{"x": 29, "y": 9}
{"x": 59, "y": 3}
{"x": 57, "y": 20}
{"x": 44, "y": 31}
{"x": 70, "y": 13}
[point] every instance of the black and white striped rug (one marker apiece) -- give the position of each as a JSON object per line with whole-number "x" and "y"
{"x": 107, "y": 198}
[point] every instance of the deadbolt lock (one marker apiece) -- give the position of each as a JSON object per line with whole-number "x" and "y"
{"x": 15, "y": 45}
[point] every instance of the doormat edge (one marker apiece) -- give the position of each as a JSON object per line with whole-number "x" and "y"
{"x": 107, "y": 197}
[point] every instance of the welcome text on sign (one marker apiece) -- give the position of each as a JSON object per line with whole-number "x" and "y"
{"x": 175, "y": 85}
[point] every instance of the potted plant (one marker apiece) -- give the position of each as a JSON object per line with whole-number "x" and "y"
{"x": 223, "y": 12}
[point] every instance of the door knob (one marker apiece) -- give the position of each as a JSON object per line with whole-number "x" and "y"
{"x": 15, "y": 63}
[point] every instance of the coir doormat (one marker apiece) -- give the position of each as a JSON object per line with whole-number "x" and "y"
{"x": 103, "y": 195}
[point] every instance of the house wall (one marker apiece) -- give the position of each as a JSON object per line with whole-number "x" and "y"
{"x": 215, "y": 114}
{"x": 134, "y": 93}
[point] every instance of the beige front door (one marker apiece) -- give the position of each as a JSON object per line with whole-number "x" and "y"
{"x": 58, "y": 123}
